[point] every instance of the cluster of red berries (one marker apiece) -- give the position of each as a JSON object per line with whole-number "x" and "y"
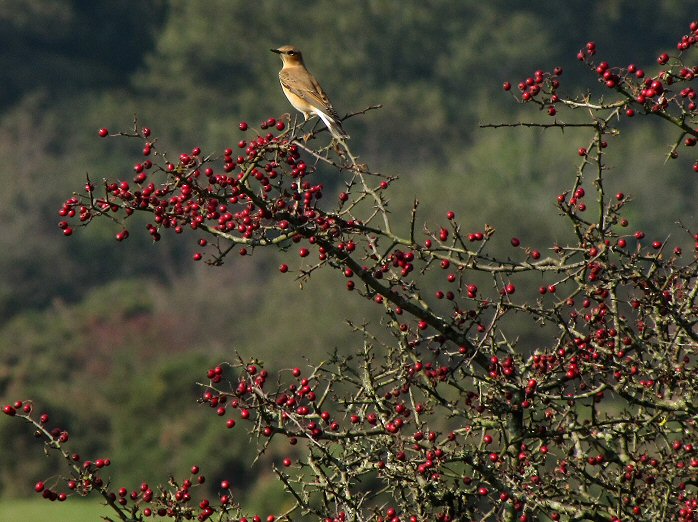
{"x": 252, "y": 198}
{"x": 689, "y": 40}
{"x": 178, "y": 502}
{"x": 650, "y": 94}
{"x": 301, "y": 416}
{"x": 543, "y": 83}
{"x": 86, "y": 473}
{"x": 175, "y": 502}
{"x": 288, "y": 404}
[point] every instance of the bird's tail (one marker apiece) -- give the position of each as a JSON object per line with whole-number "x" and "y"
{"x": 334, "y": 125}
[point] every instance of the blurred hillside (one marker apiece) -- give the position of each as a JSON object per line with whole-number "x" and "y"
{"x": 111, "y": 337}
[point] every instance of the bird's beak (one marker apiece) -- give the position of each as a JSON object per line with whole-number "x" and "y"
{"x": 275, "y": 51}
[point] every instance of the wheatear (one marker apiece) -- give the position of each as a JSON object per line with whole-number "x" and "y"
{"x": 304, "y": 92}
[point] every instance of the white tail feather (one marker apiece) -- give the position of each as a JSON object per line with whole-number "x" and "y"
{"x": 331, "y": 125}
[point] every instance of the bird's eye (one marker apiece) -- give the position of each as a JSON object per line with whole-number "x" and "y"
{"x": 292, "y": 53}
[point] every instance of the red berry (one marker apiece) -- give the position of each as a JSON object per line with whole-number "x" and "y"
{"x": 103, "y": 133}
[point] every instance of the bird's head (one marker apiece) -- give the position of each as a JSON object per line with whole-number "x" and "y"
{"x": 290, "y": 54}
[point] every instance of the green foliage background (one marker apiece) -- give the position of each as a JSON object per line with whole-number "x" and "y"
{"x": 110, "y": 338}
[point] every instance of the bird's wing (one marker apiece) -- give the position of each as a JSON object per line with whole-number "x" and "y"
{"x": 302, "y": 84}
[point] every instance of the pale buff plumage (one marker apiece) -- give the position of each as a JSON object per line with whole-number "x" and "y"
{"x": 304, "y": 92}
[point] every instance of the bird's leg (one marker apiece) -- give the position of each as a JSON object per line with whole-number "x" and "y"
{"x": 295, "y": 126}
{"x": 309, "y": 135}
{"x": 312, "y": 131}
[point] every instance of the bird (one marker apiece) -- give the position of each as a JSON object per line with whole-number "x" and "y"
{"x": 304, "y": 92}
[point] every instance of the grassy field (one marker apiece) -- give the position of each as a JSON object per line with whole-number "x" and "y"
{"x": 40, "y": 510}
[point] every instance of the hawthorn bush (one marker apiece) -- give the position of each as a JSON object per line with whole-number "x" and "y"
{"x": 442, "y": 412}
